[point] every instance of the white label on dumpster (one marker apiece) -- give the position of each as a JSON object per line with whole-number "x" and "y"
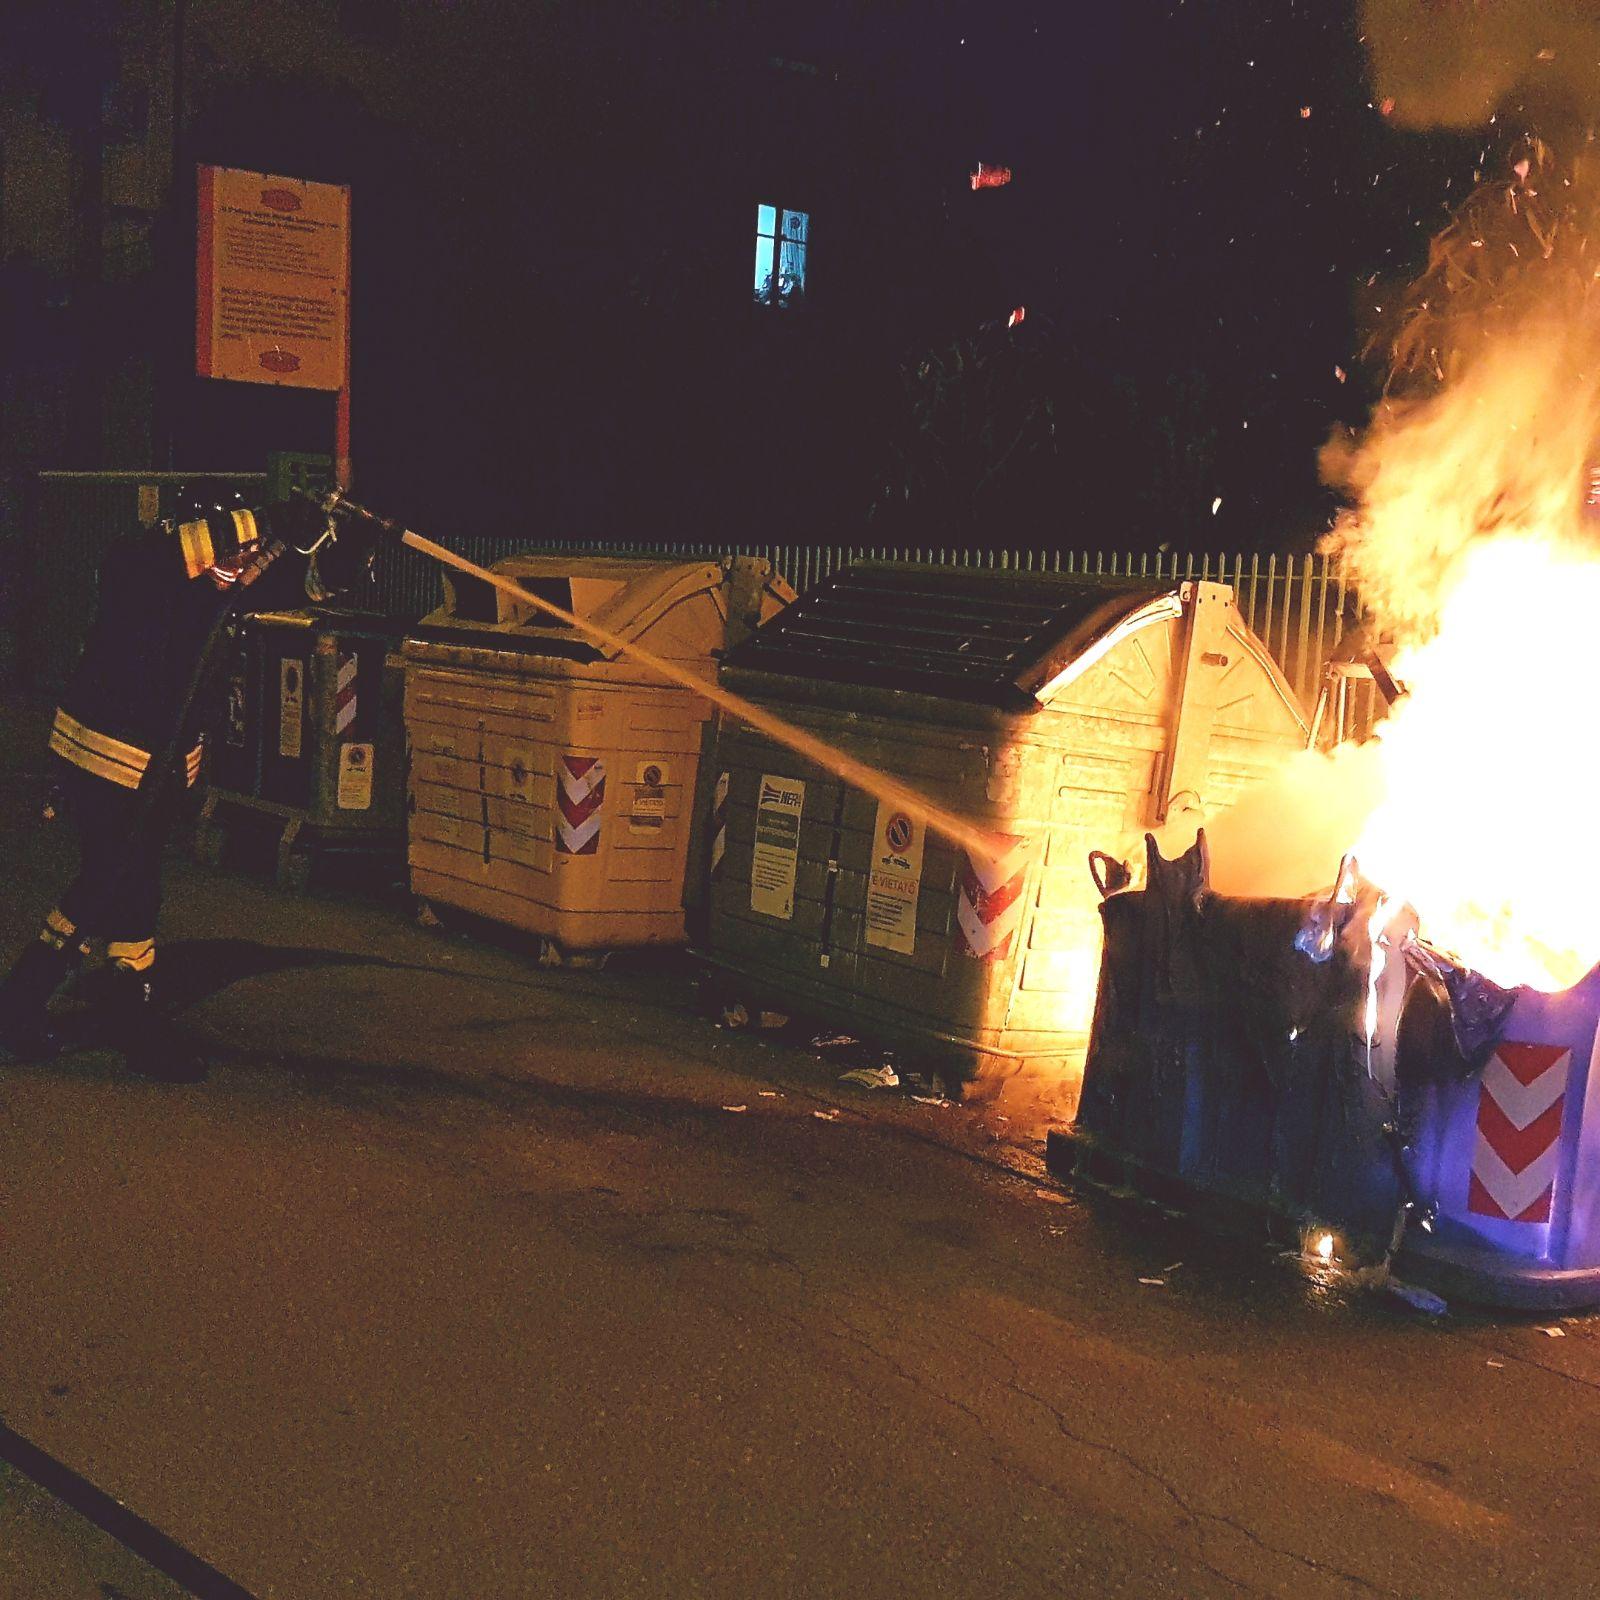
{"x": 648, "y": 813}
{"x": 772, "y": 867}
{"x": 355, "y": 777}
{"x": 896, "y": 876}
{"x": 291, "y": 704}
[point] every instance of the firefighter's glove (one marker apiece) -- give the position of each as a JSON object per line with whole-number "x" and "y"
{"x": 343, "y": 561}
{"x": 299, "y": 523}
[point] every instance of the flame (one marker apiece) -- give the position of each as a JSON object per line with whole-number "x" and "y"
{"x": 1377, "y": 930}
{"x": 1486, "y": 767}
{"x": 1472, "y": 545}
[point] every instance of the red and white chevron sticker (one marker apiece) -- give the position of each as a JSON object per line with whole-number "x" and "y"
{"x": 989, "y": 902}
{"x": 719, "y": 822}
{"x": 581, "y": 793}
{"x": 344, "y": 695}
{"x": 1520, "y": 1105}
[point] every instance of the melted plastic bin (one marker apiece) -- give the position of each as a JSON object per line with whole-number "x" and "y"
{"x": 1229, "y": 1073}
{"x": 553, "y": 778}
{"x": 1507, "y": 1153}
{"x": 1057, "y": 712}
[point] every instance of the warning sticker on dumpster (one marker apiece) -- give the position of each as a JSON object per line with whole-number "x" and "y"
{"x": 989, "y": 902}
{"x": 648, "y": 812}
{"x": 779, "y": 803}
{"x": 355, "y": 777}
{"x": 893, "y": 882}
{"x": 291, "y": 705}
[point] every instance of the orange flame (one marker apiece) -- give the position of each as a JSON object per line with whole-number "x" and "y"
{"x": 1470, "y": 542}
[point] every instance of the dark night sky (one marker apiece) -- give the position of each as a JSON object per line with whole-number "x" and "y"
{"x": 1192, "y": 242}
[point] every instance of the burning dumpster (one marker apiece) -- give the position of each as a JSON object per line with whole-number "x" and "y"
{"x": 1316, "y": 1063}
{"x": 1055, "y": 711}
{"x": 553, "y": 779}
{"x": 1232, "y": 1073}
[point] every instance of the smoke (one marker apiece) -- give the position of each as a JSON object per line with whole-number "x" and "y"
{"x": 1456, "y": 63}
{"x": 1284, "y": 839}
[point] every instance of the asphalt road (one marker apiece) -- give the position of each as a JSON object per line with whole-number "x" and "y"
{"x": 463, "y": 1279}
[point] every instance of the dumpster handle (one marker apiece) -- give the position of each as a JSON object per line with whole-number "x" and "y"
{"x": 1110, "y": 875}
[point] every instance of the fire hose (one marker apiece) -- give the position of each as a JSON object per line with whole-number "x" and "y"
{"x": 968, "y": 835}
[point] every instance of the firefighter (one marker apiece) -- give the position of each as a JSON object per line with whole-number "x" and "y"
{"x": 123, "y": 744}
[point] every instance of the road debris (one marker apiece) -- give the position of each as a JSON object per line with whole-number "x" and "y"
{"x": 1154, "y": 1283}
{"x": 884, "y": 1077}
{"x": 1424, "y": 1300}
{"x": 736, "y": 1108}
{"x": 1554, "y": 1333}
{"x": 1052, "y": 1195}
{"x": 826, "y": 1116}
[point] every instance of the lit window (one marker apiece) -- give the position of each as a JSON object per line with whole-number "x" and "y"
{"x": 781, "y": 255}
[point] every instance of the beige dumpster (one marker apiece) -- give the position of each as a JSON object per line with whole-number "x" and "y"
{"x": 552, "y": 779}
{"x": 1061, "y": 713}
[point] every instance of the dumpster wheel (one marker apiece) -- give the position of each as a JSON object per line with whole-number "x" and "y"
{"x": 552, "y": 955}
{"x": 722, "y": 1002}
{"x": 210, "y": 843}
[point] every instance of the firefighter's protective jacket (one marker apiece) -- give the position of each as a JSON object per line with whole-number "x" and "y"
{"x": 126, "y": 700}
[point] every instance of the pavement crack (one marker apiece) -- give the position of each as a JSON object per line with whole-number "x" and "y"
{"x": 1198, "y": 1515}
{"x": 1010, "y": 1464}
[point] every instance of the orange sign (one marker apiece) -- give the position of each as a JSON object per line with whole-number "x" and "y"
{"x": 272, "y": 301}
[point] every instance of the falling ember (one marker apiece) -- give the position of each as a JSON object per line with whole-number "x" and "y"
{"x": 987, "y": 177}
{"x": 1018, "y": 315}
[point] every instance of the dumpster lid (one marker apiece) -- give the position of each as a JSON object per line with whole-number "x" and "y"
{"x": 974, "y": 634}
{"x": 625, "y": 595}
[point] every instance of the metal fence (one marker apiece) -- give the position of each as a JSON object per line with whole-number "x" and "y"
{"x": 1300, "y": 606}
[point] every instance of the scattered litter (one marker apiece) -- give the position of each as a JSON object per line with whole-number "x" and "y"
{"x": 884, "y": 1077}
{"x": 736, "y": 1108}
{"x": 930, "y": 1100}
{"x": 1173, "y": 1268}
{"x": 826, "y": 1116}
{"x": 1573, "y": 1322}
{"x": 1418, "y": 1299}
{"x": 1494, "y": 1363}
{"x": 827, "y": 1041}
{"x": 770, "y": 1094}
{"x": 1154, "y": 1283}
{"x": 1554, "y": 1333}
{"x": 772, "y": 1019}
{"x": 1051, "y": 1195}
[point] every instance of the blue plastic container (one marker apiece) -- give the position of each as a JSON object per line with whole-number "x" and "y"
{"x": 1510, "y": 1159}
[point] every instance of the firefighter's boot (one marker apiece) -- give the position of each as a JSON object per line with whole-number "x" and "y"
{"x": 139, "y": 1027}
{"x": 26, "y": 1033}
